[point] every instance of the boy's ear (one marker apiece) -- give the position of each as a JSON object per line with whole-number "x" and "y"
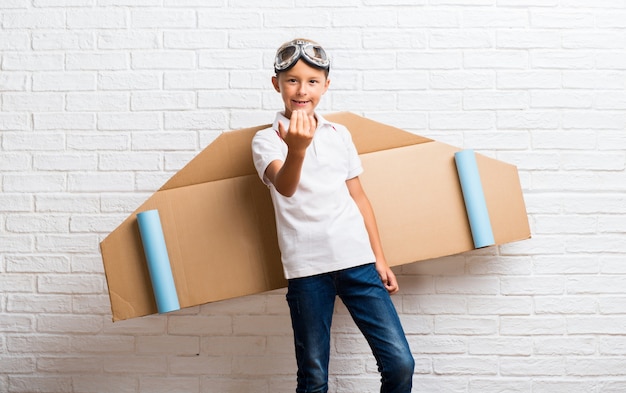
{"x": 275, "y": 83}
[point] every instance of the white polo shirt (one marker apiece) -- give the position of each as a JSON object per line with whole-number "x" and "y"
{"x": 320, "y": 228}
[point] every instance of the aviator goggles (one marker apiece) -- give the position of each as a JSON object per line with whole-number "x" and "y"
{"x": 288, "y": 54}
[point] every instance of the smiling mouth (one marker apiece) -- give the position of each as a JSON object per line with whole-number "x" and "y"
{"x": 300, "y": 102}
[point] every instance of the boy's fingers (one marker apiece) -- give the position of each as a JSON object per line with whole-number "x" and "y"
{"x": 312, "y": 124}
{"x": 281, "y": 129}
{"x": 306, "y": 126}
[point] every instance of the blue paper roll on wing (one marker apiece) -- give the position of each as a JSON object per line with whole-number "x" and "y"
{"x": 474, "y": 198}
{"x": 158, "y": 261}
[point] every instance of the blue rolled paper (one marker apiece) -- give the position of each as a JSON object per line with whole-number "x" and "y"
{"x": 474, "y": 198}
{"x": 158, "y": 261}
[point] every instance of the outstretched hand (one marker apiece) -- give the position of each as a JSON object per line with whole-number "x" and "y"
{"x": 300, "y": 132}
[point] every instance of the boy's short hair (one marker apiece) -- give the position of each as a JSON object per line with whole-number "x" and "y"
{"x": 288, "y": 54}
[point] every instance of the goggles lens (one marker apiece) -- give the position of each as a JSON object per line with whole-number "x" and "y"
{"x": 288, "y": 55}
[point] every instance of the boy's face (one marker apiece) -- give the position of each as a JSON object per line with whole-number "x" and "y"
{"x": 301, "y": 87}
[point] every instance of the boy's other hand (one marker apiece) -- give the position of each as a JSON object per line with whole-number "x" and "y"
{"x": 388, "y": 277}
{"x": 300, "y": 132}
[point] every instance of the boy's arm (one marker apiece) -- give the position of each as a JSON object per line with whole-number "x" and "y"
{"x": 359, "y": 196}
{"x": 285, "y": 176}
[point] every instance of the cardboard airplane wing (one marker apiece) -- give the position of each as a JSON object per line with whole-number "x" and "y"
{"x": 218, "y": 220}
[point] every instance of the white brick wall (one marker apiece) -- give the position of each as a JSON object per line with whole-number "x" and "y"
{"x": 101, "y": 101}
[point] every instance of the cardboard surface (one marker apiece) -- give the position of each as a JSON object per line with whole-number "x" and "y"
{"x": 219, "y": 227}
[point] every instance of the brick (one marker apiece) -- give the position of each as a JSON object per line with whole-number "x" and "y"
{"x": 68, "y": 324}
{"x": 450, "y": 60}
{"x": 42, "y": 384}
{"x": 532, "y": 325}
{"x": 133, "y": 121}
{"x": 496, "y": 385}
{"x": 194, "y": 39}
{"x": 190, "y": 325}
{"x": 15, "y": 162}
{"x": 32, "y": 62}
{"x": 461, "y": 39}
{"x": 96, "y": 61}
{"x": 466, "y": 366}
{"x": 34, "y": 304}
{"x": 561, "y": 19}
{"x": 170, "y": 345}
{"x": 98, "y": 142}
{"x": 596, "y": 367}
{"x": 135, "y": 365}
{"x": 103, "y": 182}
{"x": 162, "y": 141}
{"x": 216, "y": 345}
{"x": 69, "y": 365}
{"x": 397, "y": 39}
{"x": 41, "y": 224}
{"x": 481, "y": 100}
{"x": 34, "y": 182}
{"x": 16, "y": 323}
{"x": 33, "y": 102}
{"x": 170, "y": 60}
{"x": 103, "y": 344}
{"x": 528, "y": 39}
{"x": 564, "y": 346}
{"x": 63, "y": 40}
{"x": 465, "y": 325}
{"x": 229, "y": 99}
{"x": 462, "y": 120}
{"x": 197, "y": 80}
{"x": 67, "y": 203}
{"x": 13, "y": 81}
{"x": 232, "y": 59}
{"x": 96, "y": 383}
{"x": 500, "y": 346}
{"x": 93, "y": 223}
{"x": 110, "y": 18}
{"x": 162, "y": 101}
{"x": 579, "y": 60}
{"x": 66, "y": 243}
{"x": 127, "y": 40}
{"x": 70, "y": 284}
{"x": 203, "y": 365}
{"x": 528, "y": 120}
{"x": 32, "y": 141}
{"x": 418, "y": 101}
{"x": 226, "y": 19}
{"x": 64, "y": 81}
{"x": 170, "y": 18}
{"x": 169, "y": 384}
{"x": 509, "y": 305}
{"x": 128, "y": 80}
{"x": 593, "y": 40}
{"x": 38, "y": 344}
{"x": 18, "y": 41}
{"x": 521, "y": 367}
{"x": 34, "y": 19}
{"x": 18, "y": 283}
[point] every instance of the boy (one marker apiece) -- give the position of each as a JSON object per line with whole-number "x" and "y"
{"x": 327, "y": 232}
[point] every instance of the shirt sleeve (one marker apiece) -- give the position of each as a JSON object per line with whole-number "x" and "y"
{"x": 355, "y": 167}
{"x": 266, "y": 147}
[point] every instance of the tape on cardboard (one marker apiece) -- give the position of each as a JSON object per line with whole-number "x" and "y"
{"x": 158, "y": 261}
{"x": 474, "y": 198}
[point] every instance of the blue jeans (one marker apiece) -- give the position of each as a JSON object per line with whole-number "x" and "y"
{"x": 311, "y": 303}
